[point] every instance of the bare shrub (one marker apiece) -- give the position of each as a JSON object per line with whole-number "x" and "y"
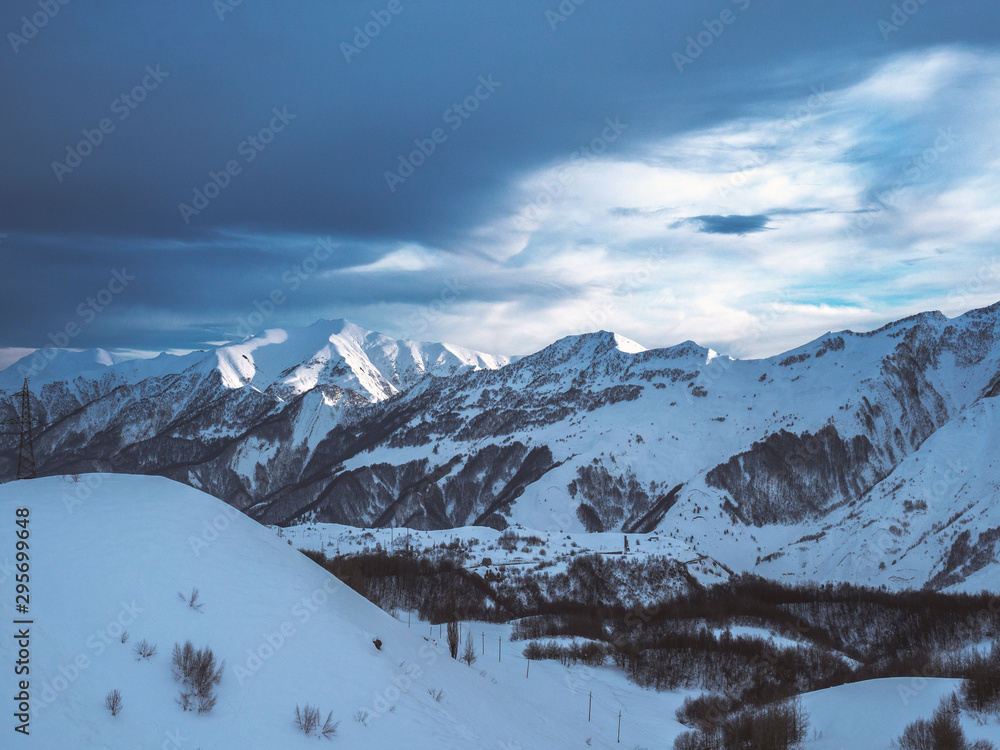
{"x": 144, "y": 649}
{"x": 706, "y": 712}
{"x": 191, "y": 600}
{"x": 329, "y": 728}
{"x": 691, "y": 741}
{"x": 307, "y": 718}
{"x": 981, "y": 689}
{"x": 941, "y": 732}
{"x": 199, "y": 673}
{"x": 776, "y": 726}
{"x": 113, "y": 702}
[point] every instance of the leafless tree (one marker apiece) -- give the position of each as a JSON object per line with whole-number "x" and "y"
{"x": 453, "y": 639}
{"x": 469, "y": 655}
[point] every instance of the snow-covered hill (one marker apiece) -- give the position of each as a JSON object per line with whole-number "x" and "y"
{"x": 290, "y": 635}
{"x": 787, "y": 465}
{"x": 111, "y": 554}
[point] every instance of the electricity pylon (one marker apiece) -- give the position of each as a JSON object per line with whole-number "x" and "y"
{"x": 26, "y": 448}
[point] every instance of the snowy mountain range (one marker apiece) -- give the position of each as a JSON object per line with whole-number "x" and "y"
{"x": 860, "y": 456}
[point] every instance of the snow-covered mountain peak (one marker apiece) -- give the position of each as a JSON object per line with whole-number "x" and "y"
{"x": 340, "y": 354}
{"x": 687, "y": 350}
{"x": 628, "y": 345}
{"x": 586, "y": 348}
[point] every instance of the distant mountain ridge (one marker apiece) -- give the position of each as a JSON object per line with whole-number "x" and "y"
{"x": 327, "y": 353}
{"x": 743, "y": 457}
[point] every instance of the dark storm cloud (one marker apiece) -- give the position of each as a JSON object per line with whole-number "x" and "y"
{"x": 729, "y": 224}
{"x": 257, "y": 121}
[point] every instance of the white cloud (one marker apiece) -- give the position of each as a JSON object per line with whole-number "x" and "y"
{"x": 871, "y": 216}
{"x": 409, "y": 258}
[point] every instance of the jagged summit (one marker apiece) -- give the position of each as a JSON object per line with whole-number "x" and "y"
{"x": 287, "y": 361}
{"x": 338, "y": 353}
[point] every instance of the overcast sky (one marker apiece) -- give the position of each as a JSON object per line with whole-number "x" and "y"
{"x": 744, "y": 173}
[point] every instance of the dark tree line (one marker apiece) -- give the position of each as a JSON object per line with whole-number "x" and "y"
{"x": 842, "y": 633}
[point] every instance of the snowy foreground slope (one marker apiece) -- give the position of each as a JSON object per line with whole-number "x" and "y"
{"x": 122, "y": 557}
{"x": 117, "y": 559}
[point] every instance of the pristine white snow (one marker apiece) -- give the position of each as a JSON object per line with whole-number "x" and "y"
{"x": 111, "y": 553}
{"x": 118, "y": 558}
